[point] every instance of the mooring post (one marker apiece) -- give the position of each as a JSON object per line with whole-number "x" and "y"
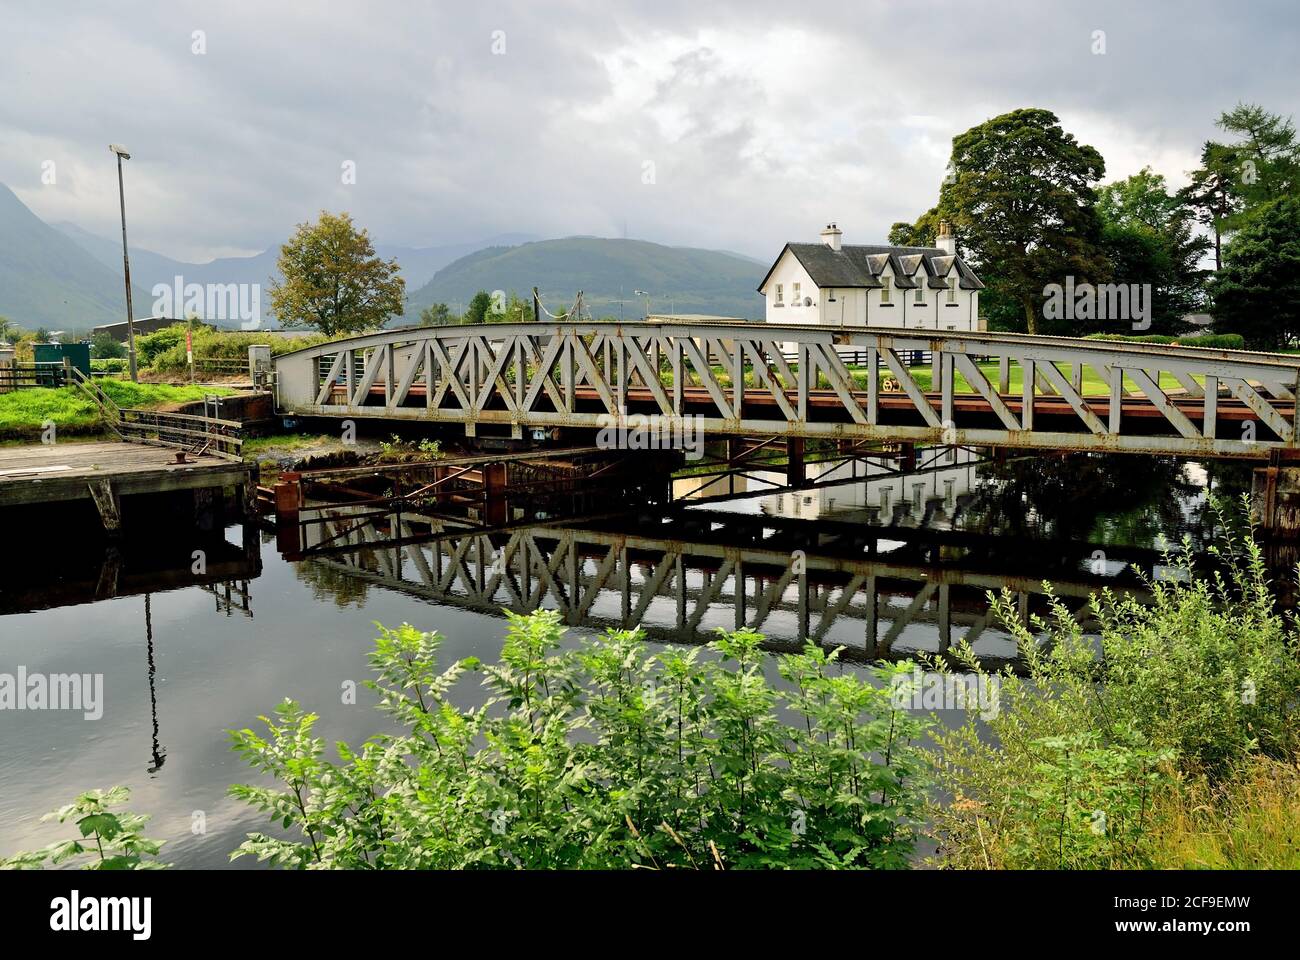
{"x": 494, "y": 493}
{"x": 288, "y": 504}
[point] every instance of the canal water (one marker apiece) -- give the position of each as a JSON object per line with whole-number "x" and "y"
{"x": 880, "y": 564}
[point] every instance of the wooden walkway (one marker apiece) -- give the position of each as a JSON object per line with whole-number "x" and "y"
{"x": 105, "y": 472}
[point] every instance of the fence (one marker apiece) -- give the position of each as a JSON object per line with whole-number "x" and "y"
{"x": 24, "y": 376}
{"x": 225, "y": 366}
{"x": 196, "y": 435}
{"x": 183, "y": 431}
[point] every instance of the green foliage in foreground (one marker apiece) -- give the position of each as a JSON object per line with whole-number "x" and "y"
{"x": 608, "y": 756}
{"x": 1192, "y": 685}
{"x": 105, "y": 841}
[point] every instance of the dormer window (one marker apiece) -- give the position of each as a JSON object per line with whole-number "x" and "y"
{"x": 952, "y": 289}
{"x": 920, "y": 291}
{"x": 884, "y": 288}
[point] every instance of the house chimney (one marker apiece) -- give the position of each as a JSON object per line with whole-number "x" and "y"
{"x": 831, "y": 236}
{"x": 945, "y": 241}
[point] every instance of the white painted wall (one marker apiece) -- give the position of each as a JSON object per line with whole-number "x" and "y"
{"x": 865, "y": 306}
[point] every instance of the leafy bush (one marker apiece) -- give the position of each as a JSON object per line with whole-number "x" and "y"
{"x": 164, "y": 350}
{"x": 1142, "y": 338}
{"x": 106, "y": 841}
{"x": 1212, "y": 341}
{"x": 1215, "y": 341}
{"x": 150, "y": 345}
{"x": 1197, "y": 681}
{"x": 397, "y": 450}
{"x": 605, "y": 756}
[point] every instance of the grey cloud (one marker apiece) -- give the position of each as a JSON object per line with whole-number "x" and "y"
{"x": 751, "y": 146}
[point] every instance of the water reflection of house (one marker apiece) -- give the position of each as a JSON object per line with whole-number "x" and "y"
{"x": 868, "y": 485}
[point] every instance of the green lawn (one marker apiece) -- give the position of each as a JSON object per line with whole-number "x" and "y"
{"x": 1093, "y": 383}
{"x": 23, "y": 412}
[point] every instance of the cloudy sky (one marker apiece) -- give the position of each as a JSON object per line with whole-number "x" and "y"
{"x": 734, "y": 125}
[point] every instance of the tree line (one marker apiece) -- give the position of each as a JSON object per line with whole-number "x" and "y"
{"x": 1023, "y": 197}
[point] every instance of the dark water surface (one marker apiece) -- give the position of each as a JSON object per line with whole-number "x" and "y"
{"x": 893, "y": 565}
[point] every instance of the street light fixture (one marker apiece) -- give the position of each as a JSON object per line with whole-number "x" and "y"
{"x": 120, "y": 152}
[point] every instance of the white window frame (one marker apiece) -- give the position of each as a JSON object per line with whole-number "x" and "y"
{"x": 884, "y": 288}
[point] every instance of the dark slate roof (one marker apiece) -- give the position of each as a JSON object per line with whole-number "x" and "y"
{"x": 861, "y": 265}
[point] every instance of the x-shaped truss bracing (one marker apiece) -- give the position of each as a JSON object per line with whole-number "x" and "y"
{"x": 758, "y": 379}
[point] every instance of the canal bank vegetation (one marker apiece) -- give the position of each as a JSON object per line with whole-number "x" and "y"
{"x": 1130, "y": 759}
{"x": 1168, "y": 740}
{"x": 607, "y": 756}
{"x": 24, "y": 413}
{"x": 163, "y": 351}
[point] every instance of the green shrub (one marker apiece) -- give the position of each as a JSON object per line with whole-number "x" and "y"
{"x": 1192, "y": 683}
{"x": 150, "y": 345}
{"x": 1215, "y": 341}
{"x": 1212, "y": 341}
{"x": 105, "y": 841}
{"x": 1142, "y": 338}
{"x": 225, "y": 345}
{"x": 603, "y": 757}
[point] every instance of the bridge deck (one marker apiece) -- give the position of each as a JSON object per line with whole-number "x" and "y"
{"x": 1003, "y": 390}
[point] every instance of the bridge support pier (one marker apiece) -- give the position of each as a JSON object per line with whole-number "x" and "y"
{"x": 796, "y": 473}
{"x": 1275, "y": 499}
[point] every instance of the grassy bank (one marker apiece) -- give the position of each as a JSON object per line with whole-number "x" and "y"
{"x": 23, "y": 413}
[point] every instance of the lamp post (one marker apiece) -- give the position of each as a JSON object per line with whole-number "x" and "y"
{"x": 121, "y": 153}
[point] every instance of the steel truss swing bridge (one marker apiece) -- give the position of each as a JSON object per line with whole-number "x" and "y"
{"x": 796, "y": 381}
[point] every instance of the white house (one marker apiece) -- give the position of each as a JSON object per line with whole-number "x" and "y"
{"x": 914, "y": 288}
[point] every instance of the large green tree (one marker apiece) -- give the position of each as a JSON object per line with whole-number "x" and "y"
{"x": 1020, "y": 197}
{"x": 480, "y": 306}
{"x": 1210, "y": 193}
{"x": 1259, "y": 165}
{"x": 1149, "y": 237}
{"x": 437, "y": 315}
{"x": 1267, "y": 152}
{"x": 1257, "y": 292}
{"x": 333, "y": 280}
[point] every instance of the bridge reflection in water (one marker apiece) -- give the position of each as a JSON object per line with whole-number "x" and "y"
{"x": 863, "y": 579}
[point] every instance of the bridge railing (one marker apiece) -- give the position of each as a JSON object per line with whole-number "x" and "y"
{"x": 806, "y": 380}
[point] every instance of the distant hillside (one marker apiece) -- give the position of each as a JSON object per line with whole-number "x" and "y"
{"x": 418, "y": 264}
{"x": 679, "y": 279}
{"x": 47, "y": 280}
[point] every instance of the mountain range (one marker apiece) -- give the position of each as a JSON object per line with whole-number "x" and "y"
{"x": 609, "y": 272}
{"x": 61, "y": 276}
